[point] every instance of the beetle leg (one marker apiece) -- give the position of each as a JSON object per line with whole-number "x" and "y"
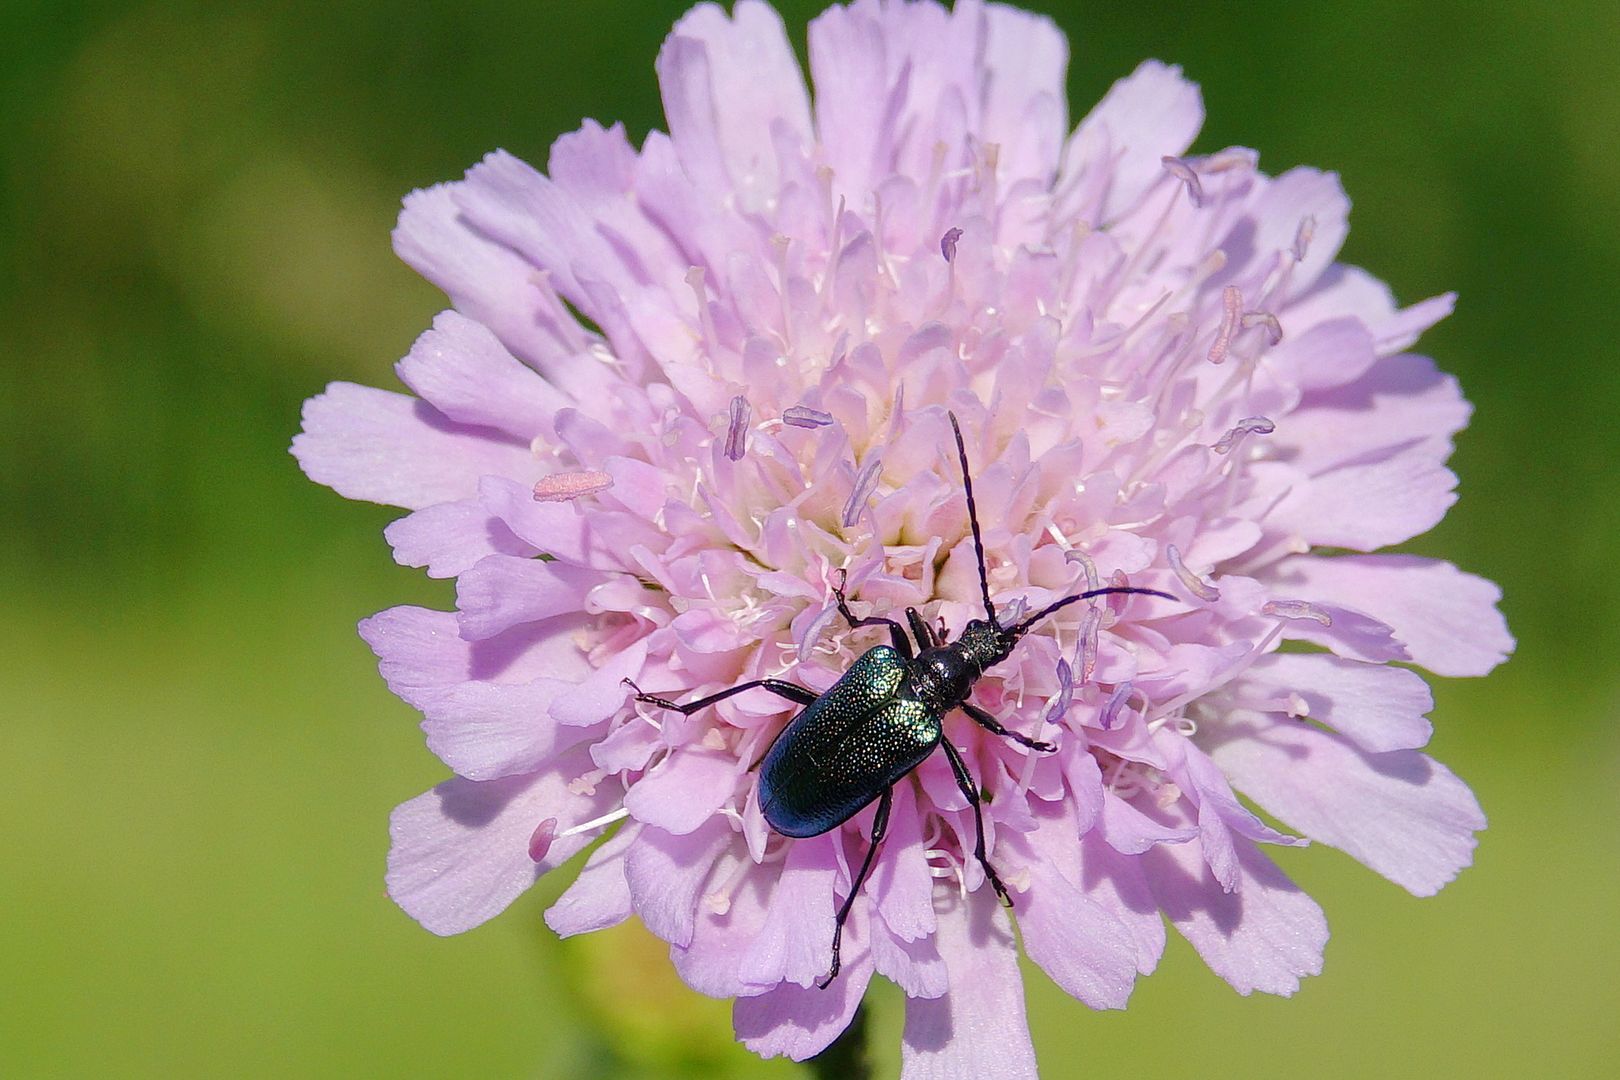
{"x": 985, "y": 720}
{"x": 897, "y": 633}
{"x": 798, "y": 694}
{"x": 970, "y": 791}
{"x": 880, "y": 827}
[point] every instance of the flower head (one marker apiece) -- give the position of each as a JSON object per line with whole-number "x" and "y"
{"x": 1165, "y": 380}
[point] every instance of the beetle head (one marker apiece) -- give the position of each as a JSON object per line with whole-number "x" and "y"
{"x": 984, "y": 644}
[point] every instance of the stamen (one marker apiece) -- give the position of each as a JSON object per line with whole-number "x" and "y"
{"x": 1183, "y": 172}
{"x": 1267, "y": 320}
{"x": 595, "y": 823}
{"x": 1065, "y": 694}
{"x": 1116, "y": 701}
{"x": 562, "y": 487}
{"x": 1085, "y": 562}
{"x": 1231, "y": 158}
{"x": 1195, "y": 584}
{"x": 1295, "y": 609}
{"x": 802, "y": 416}
{"x": 1233, "y": 302}
{"x": 1088, "y": 643}
{"x": 1258, "y": 425}
{"x": 865, "y": 482}
{"x": 540, "y": 840}
{"x": 1302, "y": 237}
{"x": 737, "y": 434}
{"x": 947, "y": 243}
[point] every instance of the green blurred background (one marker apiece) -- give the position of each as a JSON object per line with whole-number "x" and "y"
{"x": 199, "y": 758}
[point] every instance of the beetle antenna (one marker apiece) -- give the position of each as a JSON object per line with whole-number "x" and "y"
{"x": 1023, "y": 628}
{"x": 973, "y": 519}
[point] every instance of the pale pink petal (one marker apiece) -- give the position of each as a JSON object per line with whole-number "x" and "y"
{"x": 1264, "y": 936}
{"x": 795, "y": 944}
{"x": 795, "y": 1022}
{"x": 724, "y": 928}
{"x": 460, "y": 852}
{"x": 486, "y": 280}
{"x": 389, "y": 448}
{"x": 727, "y": 83}
{"x": 1116, "y": 883}
{"x": 1401, "y": 813}
{"x": 600, "y": 896}
{"x": 901, "y": 886}
{"x": 1084, "y": 949}
{"x": 978, "y": 1027}
{"x": 1378, "y": 708}
{"x": 1401, "y": 404}
{"x": 1025, "y": 101}
{"x": 486, "y": 730}
{"x": 463, "y": 370}
{"x": 666, "y": 873}
{"x": 914, "y": 966}
{"x": 1446, "y": 618}
{"x": 449, "y": 538}
{"x": 502, "y": 591}
{"x": 1130, "y": 832}
{"x": 422, "y": 654}
{"x": 1148, "y": 115}
{"x": 684, "y": 790}
{"x": 1366, "y": 507}
{"x": 1329, "y": 354}
{"x": 602, "y": 693}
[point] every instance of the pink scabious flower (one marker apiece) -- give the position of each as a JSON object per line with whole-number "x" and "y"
{"x": 681, "y": 388}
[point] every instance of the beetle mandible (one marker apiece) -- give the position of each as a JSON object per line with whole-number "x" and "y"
{"x": 883, "y": 717}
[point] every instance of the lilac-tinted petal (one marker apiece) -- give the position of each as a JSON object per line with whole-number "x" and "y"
{"x": 1328, "y": 354}
{"x": 1148, "y": 115}
{"x": 449, "y": 538}
{"x": 463, "y": 370}
{"x": 1446, "y": 618}
{"x": 729, "y": 86}
{"x": 725, "y": 926}
{"x": 486, "y": 730}
{"x": 1264, "y": 936}
{"x": 978, "y": 1028}
{"x": 1377, "y": 707}
{"x": 901, "y": 886}
{"x": 390, "y": 448}
{"x": 603, "y": 692}
{"x": 487, "y": 281}
{"x": 684, "y": 790}
{"x": 1130, "y": 832}
{"x": 1084, "y": 949}
{"x": 460, "y": 852}
{"x": 1401, "y": 813}
{"x": 795, "y": 944}
{"x": 1366, "y": 507}
{"x": 666, "y": 873}
{"x": 914, "y": 966}
{"x": 600, "y": 896}
{"x": 1025, "y": 102}
{"x": 1117, "y": 884}
{"x": 502, "y": 592}
{"x": 799, "y": 1023}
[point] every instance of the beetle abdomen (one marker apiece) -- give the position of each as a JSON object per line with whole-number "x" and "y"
{"x": 846, "y": 748}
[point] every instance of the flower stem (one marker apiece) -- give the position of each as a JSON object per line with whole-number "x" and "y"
{"x": 846, "y": 1058}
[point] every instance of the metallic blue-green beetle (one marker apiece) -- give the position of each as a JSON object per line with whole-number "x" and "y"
{"x": 882, "y": 717}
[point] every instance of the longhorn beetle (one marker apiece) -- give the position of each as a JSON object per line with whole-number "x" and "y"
{"x": 883, "y": 716}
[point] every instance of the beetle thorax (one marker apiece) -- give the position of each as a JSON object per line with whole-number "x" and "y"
{"x": 942, "y": 677}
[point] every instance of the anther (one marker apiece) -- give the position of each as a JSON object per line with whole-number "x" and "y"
{"x": 561, "y": 487}
{"x": 865, "y": 482}
{"x": 540, "y": 840}
{"x": 1302, "y": 237}
{"x": 1089, "y": 631}
{"x": 947, "y": 243}
{"x": 802, "y": 416}
{"x": 1078, "y": 556}
{"x": 1195, "y": 584}
{"x": 1295, "y": 609}
{"x": 737, "y": 433}
{"x": 1179, "y": 169}
{"x": 1267, "y": 320}
{"x": 1065, "y": 694}
{"x": 1232, "y": 300}
{"x": 1257, "y": 425}
{"x": 1116, "y": 702}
